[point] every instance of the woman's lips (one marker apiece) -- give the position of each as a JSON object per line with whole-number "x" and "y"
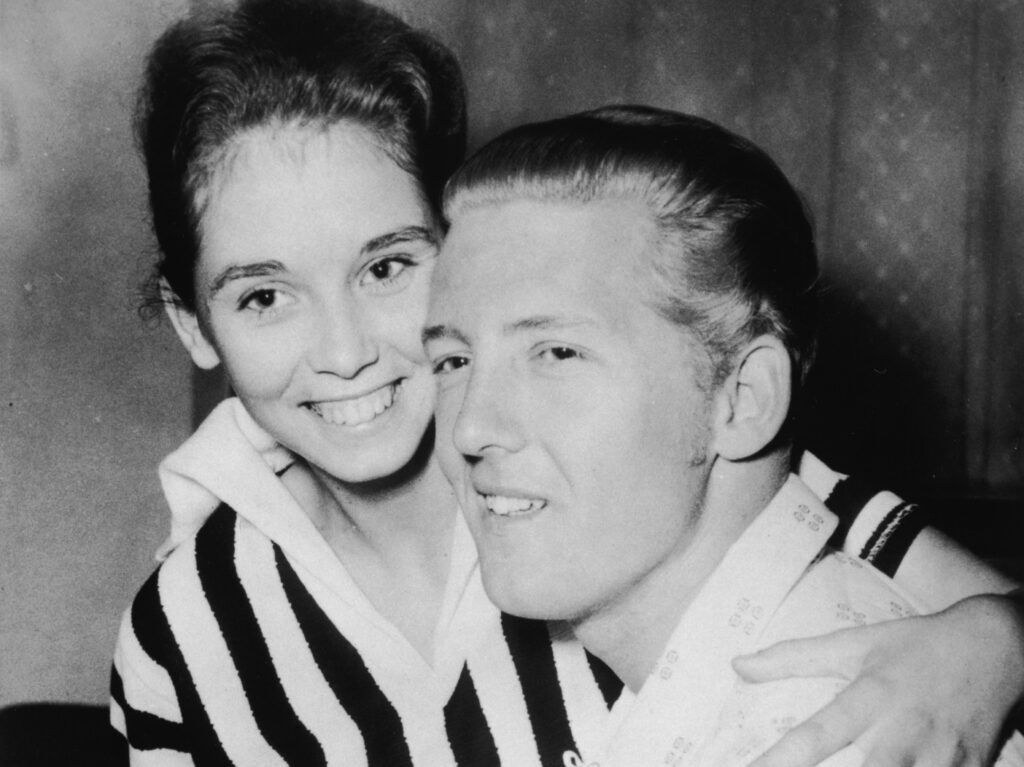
{"x": 359, "y": 410}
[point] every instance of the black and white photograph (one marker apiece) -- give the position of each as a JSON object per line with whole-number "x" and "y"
{"x": 523, "y": 383}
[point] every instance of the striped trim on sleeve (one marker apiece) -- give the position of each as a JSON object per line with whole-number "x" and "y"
{"x": 874, "y": 525}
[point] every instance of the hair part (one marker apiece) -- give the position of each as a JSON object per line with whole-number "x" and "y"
{"x": 732, "y": 256}
{"x": 217, "y": 74}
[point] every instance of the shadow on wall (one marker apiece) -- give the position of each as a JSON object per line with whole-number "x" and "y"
{"x": 868, "y": 409}
{"x": 28, "y": 736}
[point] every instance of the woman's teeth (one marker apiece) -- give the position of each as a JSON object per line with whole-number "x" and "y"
{"x": 353, "y": 412}
{"x": 504, "y": 505}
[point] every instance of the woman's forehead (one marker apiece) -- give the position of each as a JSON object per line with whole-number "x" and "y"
{"x": 291, "y": 143}
{"x": 292, "y": 192}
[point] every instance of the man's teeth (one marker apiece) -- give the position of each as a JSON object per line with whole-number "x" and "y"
{"x": 354, "y": 412}
{"x": 504, "y": 505}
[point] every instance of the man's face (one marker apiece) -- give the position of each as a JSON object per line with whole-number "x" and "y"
{"x": 571, "y": 418}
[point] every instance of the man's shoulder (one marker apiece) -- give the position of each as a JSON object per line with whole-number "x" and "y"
{"x": 875, "y": 524}
{"x": 838, "y": 591}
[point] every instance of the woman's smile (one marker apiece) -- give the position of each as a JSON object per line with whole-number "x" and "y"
{"x": 359, "y": 410}
{"x": 314, "y": 275}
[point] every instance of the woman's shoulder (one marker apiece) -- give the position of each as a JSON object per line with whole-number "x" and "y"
{"x": 213, "y": 542}
{"x": 161, "y": 608}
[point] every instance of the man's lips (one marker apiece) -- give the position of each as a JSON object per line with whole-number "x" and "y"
{"x": 504, "y": 505}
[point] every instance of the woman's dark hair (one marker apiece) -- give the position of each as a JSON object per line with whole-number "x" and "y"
{"x": 313, "y": 63}
{"x": 733, "y": 253}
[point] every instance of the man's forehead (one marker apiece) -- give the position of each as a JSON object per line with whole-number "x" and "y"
{"x": 527, "y": 240}
{"x": 530, "y": 265}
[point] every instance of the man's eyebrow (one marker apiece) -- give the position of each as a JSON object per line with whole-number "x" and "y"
{"x": 547, "y": 322}
{"x": 406, "y": 234}
{"x": 439, "y": 332}
{"x": 241, "y": 271}
{"x": 537, "y": 322}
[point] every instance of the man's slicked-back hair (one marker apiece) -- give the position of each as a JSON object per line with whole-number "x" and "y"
{"x": 733, "y": 256}
{"x": 314, "y": 63}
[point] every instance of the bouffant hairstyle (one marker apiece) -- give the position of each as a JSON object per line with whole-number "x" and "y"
{"x": 312, "y": 63}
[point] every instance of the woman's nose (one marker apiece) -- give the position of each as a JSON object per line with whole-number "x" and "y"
{"x": 345, "y": 342}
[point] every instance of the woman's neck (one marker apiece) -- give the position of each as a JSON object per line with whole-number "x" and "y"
{"x": 412, "y": 513}
{"x": 394, "y": 538}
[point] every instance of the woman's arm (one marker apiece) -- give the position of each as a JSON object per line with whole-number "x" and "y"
{"x": 144, "y": 705}
{"x": 940, "y": 571}
{"x": 884, "y": 530}
{"x": 937, "y": 689}
{"x": 933, "y": 690}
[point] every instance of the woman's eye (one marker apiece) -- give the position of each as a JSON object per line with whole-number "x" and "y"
{"x": 386, "y": 270}
{"x": 259, "y": 300}
{"x": 450, "y": 364}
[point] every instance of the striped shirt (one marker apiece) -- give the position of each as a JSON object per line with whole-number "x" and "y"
{"x": 251, "y": 644}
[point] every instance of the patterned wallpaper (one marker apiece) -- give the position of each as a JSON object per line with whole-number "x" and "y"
{"x": 901, "y": 121}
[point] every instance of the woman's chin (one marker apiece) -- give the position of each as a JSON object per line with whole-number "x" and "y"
{"x": 384, "y": 466}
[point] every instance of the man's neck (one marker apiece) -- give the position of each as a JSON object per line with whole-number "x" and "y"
{"x": 630, "y": 631}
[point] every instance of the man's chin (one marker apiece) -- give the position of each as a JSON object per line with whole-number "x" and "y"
{"x": 533, "y": 603}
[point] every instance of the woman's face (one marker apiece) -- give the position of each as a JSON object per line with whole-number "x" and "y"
{"x": 311, "y": 291}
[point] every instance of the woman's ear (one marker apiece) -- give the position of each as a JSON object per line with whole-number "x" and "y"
{"x": 186, "y": 325}
{"x": 754, "y": 399}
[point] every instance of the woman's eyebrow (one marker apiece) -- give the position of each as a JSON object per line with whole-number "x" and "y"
{"x": 438, "y": 332}
{"x": 242, "y": 271}
{"x": 406, "y": 234}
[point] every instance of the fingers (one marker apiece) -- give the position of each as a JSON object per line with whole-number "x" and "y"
{"x": 839, "y": 654}
{"x": 833, "y": 728}
{"x": 897, "y": 740}
{"x": 919, "y": 743}
{"x": 916, "y": 699}
{"x": 804, "y": 746}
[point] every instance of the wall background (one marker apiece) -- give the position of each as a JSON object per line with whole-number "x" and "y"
{"x": 903, "y": 122}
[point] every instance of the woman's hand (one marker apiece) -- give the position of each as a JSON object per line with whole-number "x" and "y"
{"x": 933, "y": 690}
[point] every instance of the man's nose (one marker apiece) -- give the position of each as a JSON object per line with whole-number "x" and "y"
{"x": 489, "y": 419}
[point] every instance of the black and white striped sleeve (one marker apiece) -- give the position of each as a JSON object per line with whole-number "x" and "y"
{"x": 875, "y": 525}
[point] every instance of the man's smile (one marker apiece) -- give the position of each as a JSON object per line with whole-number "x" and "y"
{"x": 504, "y": 505}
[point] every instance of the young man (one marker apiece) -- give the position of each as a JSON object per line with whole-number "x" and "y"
{"x": 621, "y": 318}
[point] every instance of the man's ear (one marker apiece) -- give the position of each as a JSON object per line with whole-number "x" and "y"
{"x": 186, "y": 325}
{"x": 754, "y": 399}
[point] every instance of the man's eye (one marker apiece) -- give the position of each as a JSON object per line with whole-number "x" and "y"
{"x": 450, "y": 364}
{"x": 559, "y": 353}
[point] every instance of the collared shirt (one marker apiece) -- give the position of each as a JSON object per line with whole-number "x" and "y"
{"x": 251, "y": 644}
{"x": 778, "y": 581}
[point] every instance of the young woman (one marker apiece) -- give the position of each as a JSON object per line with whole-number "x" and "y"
{"x": 318, "y": 600}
